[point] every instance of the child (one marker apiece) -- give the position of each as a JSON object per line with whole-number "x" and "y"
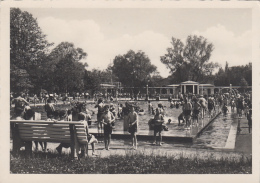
{"x": 150, "y": 107}
{"x": 120, "y": 109}
{"x": 161, "y": 108}
{"x": 112, "y": 109}
{"x": 82, "y": 117}
{"x": 240, "y": 106}
{"x": 61, "y": 116}
{"x": 225, "y": 109}
{"x": 133, "y": 124}
{"x": 180, "y": 118}
{"x": 233, "y": 105}
{"x": 196, "y": 110}
{"x": 211, "y": 106}
{"x": 246, "y": 110}
{"x": 91, "y": 138}
{"x": 49, "y": 108}
{"x": 158, "y": 121}
{"x": 177, "y": 105}
{"x": 171, "y": 104}
{"x": 107, "y": 119}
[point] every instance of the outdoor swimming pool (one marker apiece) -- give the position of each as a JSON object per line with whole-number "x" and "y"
{"x": 215, "y": 135}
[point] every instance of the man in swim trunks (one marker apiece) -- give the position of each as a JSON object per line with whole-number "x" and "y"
{"x": 187, "y": 107}
{"x": 158, "y": 121}
{"x": 203, "y": 104}
{"x": 100, "y": 106}
{"x": 133, "y": 124}
{"x": 107, "y": 119}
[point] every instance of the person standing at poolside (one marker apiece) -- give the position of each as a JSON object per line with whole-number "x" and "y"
{"x": 187, "y": 107}
{"x": 107, "y": 119}
{"x": 161, "y": 108}
{"x": 203, "y": 104}
{"x": 211, "y": 106}
{"x": 150, "y": 107}
{"x": 125, "y": 112}
{"x": 196, "y": 110}
{"x": 100, "y": 107}
{"x": 240, "y": 106}
{"x": 133, "y": 125}
{"x": 158, "y": 121}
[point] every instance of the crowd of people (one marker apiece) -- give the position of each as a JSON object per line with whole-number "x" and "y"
{"x": 193, "y": 107}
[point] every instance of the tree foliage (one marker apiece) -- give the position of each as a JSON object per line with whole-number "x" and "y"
{"x": 133, "y": 69}
{"x": 95, "y": 77}
{"x": 28, "y": 48}
{"x": 236, "y": 75}
{"x": 64, "y": 69}
{"x": 189, "y": 61}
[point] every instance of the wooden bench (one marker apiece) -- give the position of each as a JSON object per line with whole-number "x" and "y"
{"x": 71, "y": 132}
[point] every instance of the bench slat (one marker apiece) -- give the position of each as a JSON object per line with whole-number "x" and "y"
{"x": 49, "y": 127}
{"x": 46, "y": 122}
{"x": 42, "y": 126}
{"x": 46, "y": 129}
{"x": 51, "y": 131}
{"x": 60, "y": 140}
{"x": 43, "y": 133}
{"x": 48, "y": 140}
{"x": 46, "y": 133}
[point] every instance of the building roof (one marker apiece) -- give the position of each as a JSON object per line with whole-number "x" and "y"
{"x": 189, "y": 83}
{"x": 209, "y": 85}
{"x": 174, "y": 85}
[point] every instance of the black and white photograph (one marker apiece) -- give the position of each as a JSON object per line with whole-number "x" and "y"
{"x": 130, "y": 88}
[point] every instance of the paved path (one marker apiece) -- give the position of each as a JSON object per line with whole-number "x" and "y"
{"x": 244, "y": 138}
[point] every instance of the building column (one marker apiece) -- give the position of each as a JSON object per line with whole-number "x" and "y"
{"x": 193, "y": 89}
{"x": 184, "y": 89}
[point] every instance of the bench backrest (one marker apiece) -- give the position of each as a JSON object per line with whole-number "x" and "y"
{"x": 49, "y": 131}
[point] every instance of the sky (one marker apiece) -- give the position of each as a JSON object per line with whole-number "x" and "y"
{"x": 106, "y": 33}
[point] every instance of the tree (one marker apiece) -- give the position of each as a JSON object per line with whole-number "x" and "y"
{"x": 234, "y": 75}
{"x": 28, "y": 49}
{"x": 189, "y": 61}
{"x": 64, "y": 69}
{"x": 95, "y": 77}
{"x": 243, "y": 83}
{"x": 133, "y": 69}
{"x": 21, "y": 79}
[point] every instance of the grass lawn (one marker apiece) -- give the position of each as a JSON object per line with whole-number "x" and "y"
{"x": 130, "y": 163}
